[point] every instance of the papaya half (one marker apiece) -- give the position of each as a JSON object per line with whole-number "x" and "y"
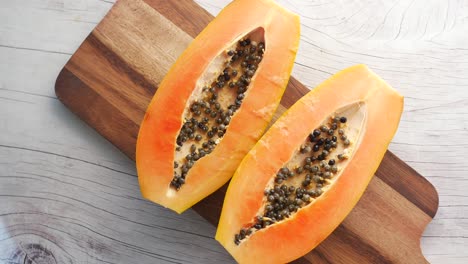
{"x": 303, "y": 177}
{"x": 215, "y": 102}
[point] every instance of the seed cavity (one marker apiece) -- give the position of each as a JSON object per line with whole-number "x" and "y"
{"x": 209, "y": 113}
{"x": 305, "y": 177}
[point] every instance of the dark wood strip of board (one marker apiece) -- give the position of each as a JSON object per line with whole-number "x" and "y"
{"x": 401, "y": 177}
{"x": 343, "y": 238}
{"x": 98, "y": 113}
{"x": 120, "y": 66}
{"x": 314, "y": 257}
{"x": 210, "y": 207}
{"x": 293, "y": 93}
{"x": 106, "y": 78}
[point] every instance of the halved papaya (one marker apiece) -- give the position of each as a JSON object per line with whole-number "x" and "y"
{"x": 309, "y": 169}
{"x": 215, "y": 102}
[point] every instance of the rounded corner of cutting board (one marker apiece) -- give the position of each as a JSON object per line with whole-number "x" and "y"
{"x": 432, "y": 201}
{"x": 60, "y": 83}
{"x": 432, "y": 191}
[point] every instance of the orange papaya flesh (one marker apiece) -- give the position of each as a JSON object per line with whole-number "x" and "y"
{"x": 303, "y": 177}
{"x": 215, "y": 102}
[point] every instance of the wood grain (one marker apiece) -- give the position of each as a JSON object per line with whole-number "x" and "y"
{"x": 105, "y": 76}
{"x": 38, "y": 135}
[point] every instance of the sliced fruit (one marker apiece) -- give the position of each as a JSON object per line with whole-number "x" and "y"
{"x": 309, "y": 169}
{"x": 215, "y": 102}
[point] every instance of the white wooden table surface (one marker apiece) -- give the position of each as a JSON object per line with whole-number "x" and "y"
{"x": 67, "y": 192}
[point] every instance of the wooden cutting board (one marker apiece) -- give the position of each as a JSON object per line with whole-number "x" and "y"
{"x": 112, "y": 77}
